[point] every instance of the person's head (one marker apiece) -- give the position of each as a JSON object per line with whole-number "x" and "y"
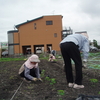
{"x": 34, "y": 59}
{"x": 85, "y": 34}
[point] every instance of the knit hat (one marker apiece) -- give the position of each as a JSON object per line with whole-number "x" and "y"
{"x": 34, "y": 58}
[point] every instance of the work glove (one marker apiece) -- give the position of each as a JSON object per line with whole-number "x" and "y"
{"x": 35, "y": 79}
{"x": 40, "y": 79}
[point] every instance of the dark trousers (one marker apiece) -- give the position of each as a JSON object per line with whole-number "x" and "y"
{"x": 70, "y": 51}
{"x": 32, "y": 73}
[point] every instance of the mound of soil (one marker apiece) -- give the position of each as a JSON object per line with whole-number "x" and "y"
{"x": 12, "y": 87}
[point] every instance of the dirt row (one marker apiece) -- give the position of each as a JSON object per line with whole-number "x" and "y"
{"x": 10, "y": 81}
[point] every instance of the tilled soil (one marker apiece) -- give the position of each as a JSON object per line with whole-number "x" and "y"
{"x": 12, "y": 87}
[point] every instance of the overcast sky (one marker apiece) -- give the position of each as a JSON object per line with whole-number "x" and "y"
{"x": 80, "y": 15}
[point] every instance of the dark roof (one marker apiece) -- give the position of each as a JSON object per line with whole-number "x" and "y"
{"x": 81, "y": 32}
{"x": 28, "y": 21}
{"x": 12, "y": 31}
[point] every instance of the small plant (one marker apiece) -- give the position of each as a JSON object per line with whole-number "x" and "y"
{"x": 99, "y": 92}
{"x": 93, "y": 80}
{"x": 60, "y": 99}
{"x": 42, "y": 73}
{"x": 29, "y": 87}
{"x": 61, "y": 92}
{"x": 52, "y": 81}
{"x": 47, "y": 78}
{"x": 11, "y": 77}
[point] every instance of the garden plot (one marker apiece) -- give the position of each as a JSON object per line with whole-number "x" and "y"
{"x": 54, "y": 85}
{"x": 94, "y": 61}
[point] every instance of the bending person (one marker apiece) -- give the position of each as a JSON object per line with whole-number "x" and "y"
{"x": 70, "y": 49}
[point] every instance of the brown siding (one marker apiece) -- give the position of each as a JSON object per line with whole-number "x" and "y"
{"x": 16, "y": 49}
{"x": 42, "y": 35}
{"x": 16, "y": 40}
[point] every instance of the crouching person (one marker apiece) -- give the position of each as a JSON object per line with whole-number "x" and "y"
{"x": 51, "y": 58}
{"x": 30, "y": 70}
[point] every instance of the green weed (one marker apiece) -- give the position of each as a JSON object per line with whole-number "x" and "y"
{"x": 93, "y": 80}
{"x": 52, "y": 81}
{"x": 29, "y": 87}
{"x": 42, "y": 73}
{"x": 11, "y": 77}
{"x": 60, "y": 99}
{"x": 47, "y": 78}
{"x": 61, "y": 92}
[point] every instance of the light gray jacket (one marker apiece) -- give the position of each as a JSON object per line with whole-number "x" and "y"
{"x": 80, "y": 40}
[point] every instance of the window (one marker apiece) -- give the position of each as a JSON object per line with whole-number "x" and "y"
{"x": 55, "y": 34}
{"x": 49, "y": 22}
{"x": 34, "y": 25}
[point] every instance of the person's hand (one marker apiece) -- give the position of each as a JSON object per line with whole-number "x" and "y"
{"x": 35, "y": 79}
{"x": 84, "y": 63}
{"x": 84, "y": 60}
{"x": 40, "y": 79}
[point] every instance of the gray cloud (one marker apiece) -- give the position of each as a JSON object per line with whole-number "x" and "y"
{"x": 90, "y": 7}
{"x": 80, "y": 15}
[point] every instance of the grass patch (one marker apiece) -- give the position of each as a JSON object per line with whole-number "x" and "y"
{"x": 94, "y": 54}
{"x": 11, "y": 59}
{"x": 95, "y": 66}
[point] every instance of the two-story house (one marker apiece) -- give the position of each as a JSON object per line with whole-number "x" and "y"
{"x": 37, "y": 34}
